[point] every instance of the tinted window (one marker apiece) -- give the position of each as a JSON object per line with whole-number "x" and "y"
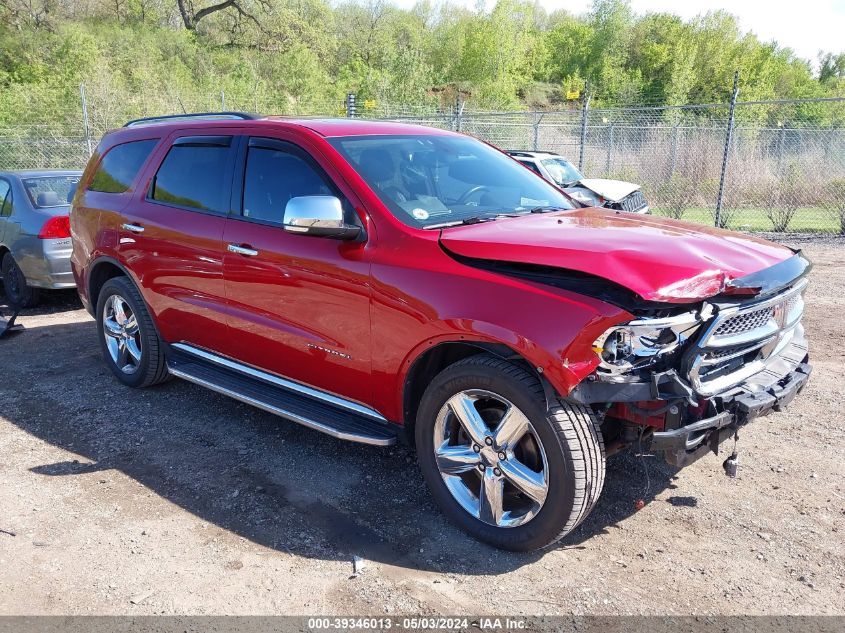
{"x": 273, "y": 177}
{"x": 193, "y": 176}
{"x": 5, "y": 198}
{"x": 120, "y": 165}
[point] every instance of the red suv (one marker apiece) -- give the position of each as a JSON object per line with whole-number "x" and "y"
{"x": 376, "y": 280}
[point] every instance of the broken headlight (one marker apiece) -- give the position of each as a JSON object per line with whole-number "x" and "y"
{"x": 638, "y": 344}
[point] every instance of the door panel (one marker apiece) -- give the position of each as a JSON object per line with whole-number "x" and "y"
{"x": 172, "y": 237}
{"x": 299, "y": 304}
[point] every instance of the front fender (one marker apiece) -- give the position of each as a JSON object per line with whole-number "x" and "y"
{"x": 551, "y": 328}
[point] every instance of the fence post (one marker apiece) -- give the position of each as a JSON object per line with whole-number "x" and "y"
{"x": 536, "y": 139}
{"x": 222, "y": 100}
{"x": 85, "y": 123}
{"x": 459, "y": 113}
{"x": 728, "y": 140}
{"x": 607, "y": 162}
{"x": 585, "y": 109}
{"x": 350, "y": 105}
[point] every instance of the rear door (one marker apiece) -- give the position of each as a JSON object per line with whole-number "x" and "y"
{"x": 171, "y": 235}
{"x": 299, "y": 305}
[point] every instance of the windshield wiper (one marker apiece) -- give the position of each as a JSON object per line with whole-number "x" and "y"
{"x": 475, "y": 219}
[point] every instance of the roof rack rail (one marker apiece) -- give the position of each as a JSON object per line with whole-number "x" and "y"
{"x": 245, "y": 116}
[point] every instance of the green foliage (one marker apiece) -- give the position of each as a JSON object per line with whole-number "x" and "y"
{"x": 835, "y": 202}
{"x": 675, "y": 195}
{"x": 301, "y": 56}
{"x": 785, "y": 198}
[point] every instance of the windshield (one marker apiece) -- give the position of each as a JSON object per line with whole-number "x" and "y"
{"x": 562, "y": 171}
{"x": 429, "y": 181}
{"x": 51, "y": 191}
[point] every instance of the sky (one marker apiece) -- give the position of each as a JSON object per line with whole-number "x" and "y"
{"x": 805, "y": 26}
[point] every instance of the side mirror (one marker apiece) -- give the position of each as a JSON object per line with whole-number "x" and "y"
{"x": 320, "y": 216}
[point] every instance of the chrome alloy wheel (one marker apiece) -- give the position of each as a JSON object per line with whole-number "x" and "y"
{"x": 491, "y": 458}
{"x": 122, "y": 334}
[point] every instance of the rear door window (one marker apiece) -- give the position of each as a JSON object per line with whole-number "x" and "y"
{"x": 120, "y": 165}
{"x": 194, "y": 173}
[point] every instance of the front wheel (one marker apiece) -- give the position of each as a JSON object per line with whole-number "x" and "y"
{"x": 501, "y": 464}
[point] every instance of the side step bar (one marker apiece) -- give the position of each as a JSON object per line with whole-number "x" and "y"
{"x": 306, "y": 406}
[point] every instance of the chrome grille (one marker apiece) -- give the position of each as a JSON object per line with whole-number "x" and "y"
{"x": 744, "y": 322}
{"x": 633, "y": 202}
{"x": 742, "y": 339}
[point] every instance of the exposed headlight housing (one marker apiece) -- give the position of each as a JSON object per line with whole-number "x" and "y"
{"x": 624, "y": 349}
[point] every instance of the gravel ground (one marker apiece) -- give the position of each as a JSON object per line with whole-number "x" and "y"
{"x": 177, "y": 500}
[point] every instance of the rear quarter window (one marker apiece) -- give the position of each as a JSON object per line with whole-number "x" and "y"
{"x": 120, "y": 165}
{"x": 5, "y": 198}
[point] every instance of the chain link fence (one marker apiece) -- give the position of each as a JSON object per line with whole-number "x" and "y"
{"x": 784, "y": 160}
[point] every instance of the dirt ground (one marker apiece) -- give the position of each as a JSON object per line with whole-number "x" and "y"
{"x": 176, "y": 500}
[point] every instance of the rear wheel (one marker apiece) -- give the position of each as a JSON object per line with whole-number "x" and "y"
{"x": 129, "y": 341}
{"x": 499, "y": 463}
{"x": 18, "y": 293}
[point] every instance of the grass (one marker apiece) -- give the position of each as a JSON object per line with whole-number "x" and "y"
{"x": 806, "y": 220}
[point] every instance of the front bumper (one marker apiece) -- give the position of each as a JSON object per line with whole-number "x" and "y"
{"x": 774, "y": 392}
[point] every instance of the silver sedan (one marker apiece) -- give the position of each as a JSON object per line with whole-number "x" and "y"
{"x": 35, "y": 242}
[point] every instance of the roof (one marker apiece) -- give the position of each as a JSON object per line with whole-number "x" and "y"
{"x": 35, "y": 173}
{"x": 359, "y": 127}
{"x": 327, "y": 127}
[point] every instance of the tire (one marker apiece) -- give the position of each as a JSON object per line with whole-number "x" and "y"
{"x": 18, "y": 293}
{"x": 564, "y": 442}
{"x": 131, "y": 346}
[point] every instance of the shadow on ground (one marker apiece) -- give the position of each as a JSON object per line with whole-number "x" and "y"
{"x": 50, "y": 302}
{"x": 253, "y": 474}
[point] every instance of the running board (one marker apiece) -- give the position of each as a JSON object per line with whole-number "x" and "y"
{"x": 272, "y": 394}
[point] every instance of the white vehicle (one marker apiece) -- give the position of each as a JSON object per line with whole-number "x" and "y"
{"x": 593, "y": 192}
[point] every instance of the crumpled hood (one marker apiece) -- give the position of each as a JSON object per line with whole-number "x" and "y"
{"x": 610, "y": 190}
{"x": 657, "y": 258}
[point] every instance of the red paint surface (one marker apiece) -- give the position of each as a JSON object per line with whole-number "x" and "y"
{"x": 380, "y": 303}
{"x": 658, "y": 258}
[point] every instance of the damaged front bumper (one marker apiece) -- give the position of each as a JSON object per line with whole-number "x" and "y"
{"x": 688, "y": 443}
{"x": 671, "y": 414}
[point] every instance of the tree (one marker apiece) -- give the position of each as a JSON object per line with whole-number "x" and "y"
{"x": 35, "y": 13}
{"x": 831, "y": 67}
{"x": 191, "y": 17}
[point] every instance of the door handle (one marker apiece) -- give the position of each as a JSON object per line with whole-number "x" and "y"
{"x": 134, "y": 228}
{"x": 242, "y": 250}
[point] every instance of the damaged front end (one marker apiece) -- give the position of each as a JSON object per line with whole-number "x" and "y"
{"x": 683, "y": 383}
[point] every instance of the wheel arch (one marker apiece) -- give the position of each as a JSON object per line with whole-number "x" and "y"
{"x": 427, "y": 364}
{"x": 103, "y": 269}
